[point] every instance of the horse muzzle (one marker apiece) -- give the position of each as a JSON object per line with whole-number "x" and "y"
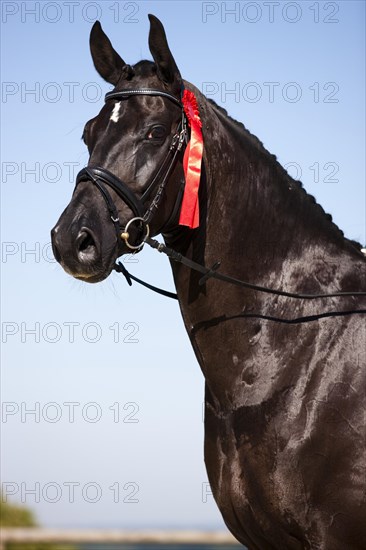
{"x": 80, "y": 253}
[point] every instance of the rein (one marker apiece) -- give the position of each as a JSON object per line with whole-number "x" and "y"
{"x": 214, "y": 274}
{"x": 101, "y": 177}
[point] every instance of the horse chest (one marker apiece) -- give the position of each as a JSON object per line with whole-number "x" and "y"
{"x": 249, "y": 490}
{"x": 275, "y": 425}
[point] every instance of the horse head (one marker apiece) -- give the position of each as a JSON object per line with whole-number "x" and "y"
{"x": 134, "y": 146}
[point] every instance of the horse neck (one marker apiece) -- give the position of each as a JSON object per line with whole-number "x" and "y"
{"x": 256, "y": 219}
{"x": 255, "y": 206}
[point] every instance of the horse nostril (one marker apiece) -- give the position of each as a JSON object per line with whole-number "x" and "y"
{"x": 85, "y": 241}
{"x": 86, "y": 245}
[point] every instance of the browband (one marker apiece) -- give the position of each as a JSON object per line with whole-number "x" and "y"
{"x": 124, "y": 94}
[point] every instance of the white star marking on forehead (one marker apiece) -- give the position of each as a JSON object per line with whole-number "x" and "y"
{"x": 115, "y": 113}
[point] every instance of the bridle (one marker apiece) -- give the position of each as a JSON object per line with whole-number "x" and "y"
{"x": 103, "y": 179}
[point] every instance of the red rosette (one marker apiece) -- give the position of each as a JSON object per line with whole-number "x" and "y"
{"x": 190, "y": 107}
{"x": 192, "y": 162}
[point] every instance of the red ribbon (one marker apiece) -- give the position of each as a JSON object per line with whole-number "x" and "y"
{"x": 192, "y": 161}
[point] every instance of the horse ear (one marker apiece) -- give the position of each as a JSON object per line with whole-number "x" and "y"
{"x": 167, "y": 69}
{"x": 106, "y": 60}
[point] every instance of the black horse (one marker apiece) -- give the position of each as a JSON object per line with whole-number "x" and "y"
{"x": 285, "y": 378}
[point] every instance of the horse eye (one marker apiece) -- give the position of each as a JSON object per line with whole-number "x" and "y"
{"x": 157, "y": 133}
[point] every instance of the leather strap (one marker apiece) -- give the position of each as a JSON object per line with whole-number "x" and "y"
{"x": 101, "y": 177}
{"x": 120, "y": 268}
{"x": 97, "y": 174}
{"x": 125, "y": 94}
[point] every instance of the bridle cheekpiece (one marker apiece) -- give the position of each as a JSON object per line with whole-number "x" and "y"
{"x": 103, "y": 179}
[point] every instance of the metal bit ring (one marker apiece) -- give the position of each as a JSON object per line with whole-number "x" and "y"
{"x": 125, "y": 235}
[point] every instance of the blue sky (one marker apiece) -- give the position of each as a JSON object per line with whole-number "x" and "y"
{"x": 108, "y": 369}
